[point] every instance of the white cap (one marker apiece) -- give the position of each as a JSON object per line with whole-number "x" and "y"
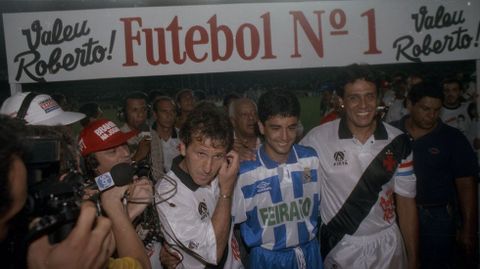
{"x": 43, "y": 110}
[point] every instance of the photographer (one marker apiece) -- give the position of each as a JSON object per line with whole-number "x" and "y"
{"x": 104, "y": 148}
{"x": 85, "y": 247}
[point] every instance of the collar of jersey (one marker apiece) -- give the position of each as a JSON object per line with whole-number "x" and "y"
{"x": 185, "y": 178}
{"x": 380, "y": 132}
{"x": 269, "y": 163}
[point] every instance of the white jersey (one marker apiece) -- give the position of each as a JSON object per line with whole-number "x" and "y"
{"x": 343, "y": 160}
{"x": 185, "y": 211}
{"x": 458, "y": 118}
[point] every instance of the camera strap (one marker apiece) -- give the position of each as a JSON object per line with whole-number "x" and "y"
{"x": 22, "y": 111}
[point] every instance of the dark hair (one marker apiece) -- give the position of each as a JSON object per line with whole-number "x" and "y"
{"x": 425, "y": 89}
{"x": 278, "y": 103}
{"x": 207, "y": 121}
{"x": 153, "y": 94}
{"x": 122, "y": 113}
{"x": 91, "y": 164}
{"x": 454, "y": 81}
{"x": 90, "y": 110}
{"x": 158, "y": 99}
{"x": 11, "y": 145}
{"x": 351, "y": 73}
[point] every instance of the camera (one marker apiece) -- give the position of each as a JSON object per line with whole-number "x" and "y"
{"x": 53, "y": 205}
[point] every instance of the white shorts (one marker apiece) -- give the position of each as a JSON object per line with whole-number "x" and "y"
{"x": 381, "y": 250}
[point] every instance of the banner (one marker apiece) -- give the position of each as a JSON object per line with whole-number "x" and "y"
{"x": 153, "y": 41}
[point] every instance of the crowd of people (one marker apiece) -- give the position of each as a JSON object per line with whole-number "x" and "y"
{"x": 388, "y": 179}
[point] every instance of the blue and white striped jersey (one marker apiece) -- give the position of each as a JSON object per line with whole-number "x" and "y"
{"x": 277, "y": 204}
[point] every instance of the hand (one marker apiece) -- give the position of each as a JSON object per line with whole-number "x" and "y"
{"x": 112, "y": 200}
{"x": 227, "y": 175}
{"x": 141, "y": 195}
{"x": 244, "y": 152}
{"x": 83, "y": 248}
{"x": 168, "y": 257}
{"x": 142, "y": 150}
{"x": 468, "y": 241}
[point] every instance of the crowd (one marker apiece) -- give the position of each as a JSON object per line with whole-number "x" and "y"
{"x": 388, "y": 179}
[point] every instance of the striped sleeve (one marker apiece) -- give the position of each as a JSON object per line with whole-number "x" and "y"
{"x": 405, "y": 180}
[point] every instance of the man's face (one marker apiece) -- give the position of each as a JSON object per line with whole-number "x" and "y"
{"x": 165, "y": 114}
{"x": 17, "y": 178}
{"x": 136, "y": 112}
{"x": 203, "y": 159}
{"x": 360, "y": 104}
{"x": 245, "y": 119}
{"x": 452, "y": 94}
{"x": 111, "y": 157}
{"x": 186, "y": 101}
{"x": 280, "y": 134}
{"x": 425, "y": 113}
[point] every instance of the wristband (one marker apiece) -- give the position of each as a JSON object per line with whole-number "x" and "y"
{"x": 225, "y": 196}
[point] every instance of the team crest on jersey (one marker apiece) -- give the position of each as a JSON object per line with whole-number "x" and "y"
{"x": 203, "y": 210}
{"x": 192, "y": 245}
{"x": 389, "y": 162}
{"x": 307, "y": 175}
{"x": 340, "y": 158}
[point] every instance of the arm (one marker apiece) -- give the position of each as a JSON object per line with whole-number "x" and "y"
{"x": 408, "y": 222}
{"x": 221, "y": 216}
{"x": 128, "y": 242}
{"x": 468, "y": 201}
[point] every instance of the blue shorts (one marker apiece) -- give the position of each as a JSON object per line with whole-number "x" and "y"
{"x": 287, "y": 258}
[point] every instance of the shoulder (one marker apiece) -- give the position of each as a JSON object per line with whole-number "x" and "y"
{"x": 247, "y": 166}
{"x": 305, "y": 151}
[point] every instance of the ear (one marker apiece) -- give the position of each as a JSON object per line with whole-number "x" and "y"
{"x": 183, "y": 149}
{"x": 261, "y": 127}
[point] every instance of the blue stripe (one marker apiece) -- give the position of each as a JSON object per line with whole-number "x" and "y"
{"x": 297, "y": 181}
{"x": 303, "y": 234}
{"x": 304, "y": 151}
{"x": 276, "y": 191}
{"x": 315, "y": 212}
{"x": 251, "y": 230}
{"x": 406, "y": 173}
{"x": 280, "y": 233}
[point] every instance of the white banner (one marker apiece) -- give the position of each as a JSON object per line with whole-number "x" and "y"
{"x": 152, "y": 41}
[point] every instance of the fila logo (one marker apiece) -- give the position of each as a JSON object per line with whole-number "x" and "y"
{"x": 340, "y": 158}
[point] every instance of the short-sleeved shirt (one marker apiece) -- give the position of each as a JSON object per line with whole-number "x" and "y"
{"x": 277, "y": 204}
{"x": 440, "y": 157}
{"x": 344, "y": 159}
{"x": 185, "y": 210}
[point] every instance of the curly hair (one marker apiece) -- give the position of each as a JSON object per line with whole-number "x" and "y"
{"x": 207, "y": 121}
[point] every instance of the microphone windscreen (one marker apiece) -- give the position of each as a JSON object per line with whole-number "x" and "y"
{"x": 122, "y": 174}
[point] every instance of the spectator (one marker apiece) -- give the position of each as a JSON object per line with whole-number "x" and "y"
{"x": 455, "y": 111}
{"x": 446, "y": 168}
{"x": 277, "y": 195}
{"x": 134, "y": 112}
{"x": 185, "y": 103}
{"x": 243, "y": 115}
{"x": 195, "y": 214}
{"x": 165, "y": 136}
{"x": 366, "y": 178}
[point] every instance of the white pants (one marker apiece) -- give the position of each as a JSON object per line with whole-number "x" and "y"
{"x": 381, "y": 250}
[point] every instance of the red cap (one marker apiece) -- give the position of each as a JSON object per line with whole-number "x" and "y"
{"x": 101, "y": 135}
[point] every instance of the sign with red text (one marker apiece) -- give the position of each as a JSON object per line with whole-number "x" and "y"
{"x": 153, "y": 41}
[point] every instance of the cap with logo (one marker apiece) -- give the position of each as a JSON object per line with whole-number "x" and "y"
{"x": 101, "y": 135}
{"x": 38, "y": 109}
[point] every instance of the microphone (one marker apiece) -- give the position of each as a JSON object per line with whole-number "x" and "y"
{"x": 120, "y": 175}
{"x": 144, "y": 131}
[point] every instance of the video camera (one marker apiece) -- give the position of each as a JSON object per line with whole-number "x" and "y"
{"x": 53, "y": 205}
